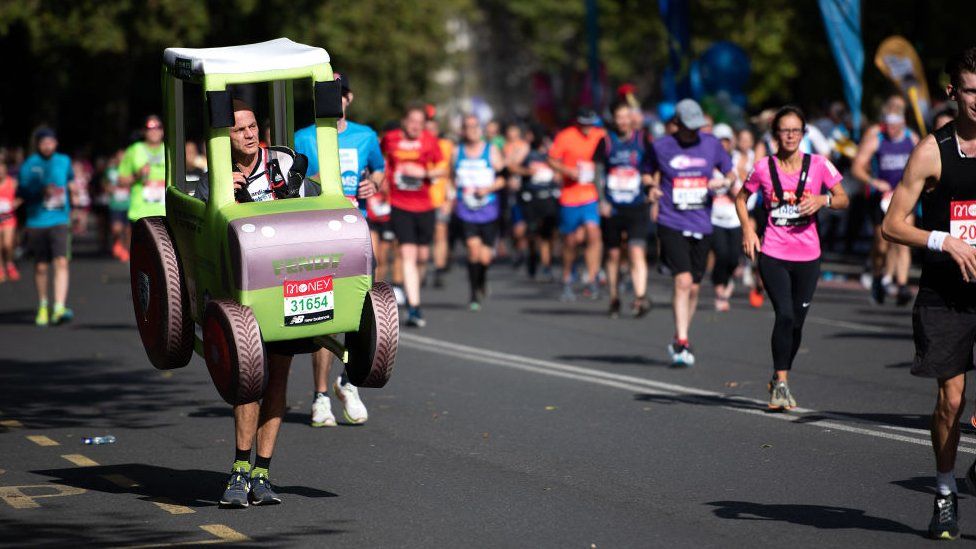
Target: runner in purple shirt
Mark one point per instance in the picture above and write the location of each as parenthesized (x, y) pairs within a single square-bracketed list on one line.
[(690, 168)]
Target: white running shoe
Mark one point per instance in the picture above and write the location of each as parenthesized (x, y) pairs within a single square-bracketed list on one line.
[(322, 412), (401, 298), (352, 406)]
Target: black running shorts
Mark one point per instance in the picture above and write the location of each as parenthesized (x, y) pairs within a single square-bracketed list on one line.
[(634, 221), (944, 338), (684, 253), (486, 232), (48, 243), (413, 227)]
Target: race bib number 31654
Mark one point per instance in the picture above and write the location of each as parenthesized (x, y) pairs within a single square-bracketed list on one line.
[(308, 301), (962, 221)]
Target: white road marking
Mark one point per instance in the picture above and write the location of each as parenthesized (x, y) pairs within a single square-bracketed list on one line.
[(637, 384)]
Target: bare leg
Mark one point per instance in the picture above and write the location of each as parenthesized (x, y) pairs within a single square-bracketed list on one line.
[(638, 270), (273, 404), (60, 280), (321, 361), (685, 302), (411, 273), (41, 270), (613, 272), (594, 250), (945, 421), (569, 256)]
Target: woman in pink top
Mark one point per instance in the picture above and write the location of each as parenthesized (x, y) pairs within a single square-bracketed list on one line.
[(794, 185)]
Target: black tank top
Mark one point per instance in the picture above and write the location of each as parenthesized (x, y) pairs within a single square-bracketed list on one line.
[(941, 282)]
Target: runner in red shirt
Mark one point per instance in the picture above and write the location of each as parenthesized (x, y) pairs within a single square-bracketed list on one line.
[(571, 156), (8, 223), (411, 155)]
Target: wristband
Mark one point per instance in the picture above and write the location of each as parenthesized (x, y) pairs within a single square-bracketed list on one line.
[(936, 239), (828, 200)]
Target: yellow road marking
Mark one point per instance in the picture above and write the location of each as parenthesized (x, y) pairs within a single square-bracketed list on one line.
[(224, 534), (80, 460), (15, 496), (11, 424), (171, 506), (121, 481), (42, 440)]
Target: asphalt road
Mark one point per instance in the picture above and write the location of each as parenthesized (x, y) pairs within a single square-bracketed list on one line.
[(531, 424)]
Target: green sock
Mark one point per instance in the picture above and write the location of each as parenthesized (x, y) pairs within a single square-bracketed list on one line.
[(58, 308), (42, 304), (241, 466), (259, 472)]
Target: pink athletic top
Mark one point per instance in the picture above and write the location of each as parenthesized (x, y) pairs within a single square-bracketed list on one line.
[(785, 238)]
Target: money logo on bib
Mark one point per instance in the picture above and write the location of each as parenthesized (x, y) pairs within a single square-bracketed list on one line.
[(308, 301), (690, 193), (962, 221)]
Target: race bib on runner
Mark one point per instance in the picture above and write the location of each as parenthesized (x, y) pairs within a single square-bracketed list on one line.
[(6, 206), (308, 301), (120, 194), (154, 191), (690, 193), (586, 171), (788, 215), (542, 174), (962, 221), (723, 212), (470, 180), (623, 183), (54, 198), (379, 207)]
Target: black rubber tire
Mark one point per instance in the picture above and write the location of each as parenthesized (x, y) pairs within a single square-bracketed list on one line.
[(372, 349), (159, 298), (234, 352)]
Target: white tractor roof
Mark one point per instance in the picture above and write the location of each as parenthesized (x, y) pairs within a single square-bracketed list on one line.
[(279, 54)]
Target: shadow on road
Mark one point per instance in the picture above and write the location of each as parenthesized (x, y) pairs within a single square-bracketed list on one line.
[(872, 335), (191, 488), (88, 392), (19, 317), (106, 530), (617, 359), (817, 516), (292, 415), (561, 311)]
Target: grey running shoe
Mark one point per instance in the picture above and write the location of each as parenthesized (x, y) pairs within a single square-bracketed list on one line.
[(568, 294), (945, 518), (262, 493), (780, 397), (235, 495)]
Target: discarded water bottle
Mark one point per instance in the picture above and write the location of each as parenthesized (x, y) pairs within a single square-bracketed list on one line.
[(107, 439)]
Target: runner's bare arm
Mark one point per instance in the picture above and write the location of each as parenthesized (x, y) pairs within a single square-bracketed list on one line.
[(498, 164), (750, 240), (923, 164), (560, 168), (861, 168)]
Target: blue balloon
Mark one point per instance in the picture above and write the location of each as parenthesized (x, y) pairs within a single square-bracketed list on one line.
[(724, 67)]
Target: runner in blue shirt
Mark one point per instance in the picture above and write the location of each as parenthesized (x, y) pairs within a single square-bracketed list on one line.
[(624, 208), (44, 180), (361, 165)]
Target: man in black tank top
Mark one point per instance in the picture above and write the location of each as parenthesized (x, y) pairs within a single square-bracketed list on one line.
[(942, 173)]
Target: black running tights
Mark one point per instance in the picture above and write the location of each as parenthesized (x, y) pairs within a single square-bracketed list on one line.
[(790, 285), (727, 245)]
